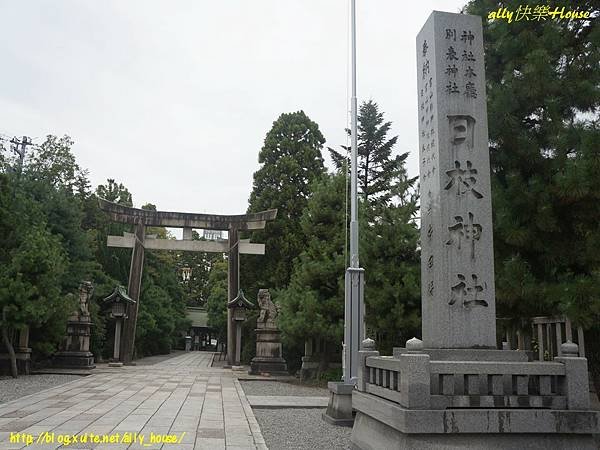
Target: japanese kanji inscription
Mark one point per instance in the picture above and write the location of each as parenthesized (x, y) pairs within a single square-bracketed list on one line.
[(457, 271)]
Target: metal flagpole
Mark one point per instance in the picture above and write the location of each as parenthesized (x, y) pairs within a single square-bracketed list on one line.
[(354, 296), (339, 409), (354, 151)]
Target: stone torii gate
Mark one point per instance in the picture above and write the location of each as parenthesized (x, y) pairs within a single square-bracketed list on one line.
[(138, 241)]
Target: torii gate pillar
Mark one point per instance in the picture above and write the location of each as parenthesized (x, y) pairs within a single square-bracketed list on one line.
[(133, 290), (233, 286)]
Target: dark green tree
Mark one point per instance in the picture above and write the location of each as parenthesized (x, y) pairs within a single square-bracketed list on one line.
[(388, 234), (290, 160), (313, 304), (543, 87), (44, 252), (389, 253)]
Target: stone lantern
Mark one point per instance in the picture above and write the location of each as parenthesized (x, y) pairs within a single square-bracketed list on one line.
[(119, 303), (239, 307)]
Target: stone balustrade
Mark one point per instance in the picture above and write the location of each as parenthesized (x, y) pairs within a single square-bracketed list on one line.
[(414, 381)]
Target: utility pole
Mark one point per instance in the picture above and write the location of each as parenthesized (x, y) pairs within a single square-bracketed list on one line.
[(24, 142)]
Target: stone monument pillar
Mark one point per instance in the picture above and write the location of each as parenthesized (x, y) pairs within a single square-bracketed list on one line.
[(269, 357), (75, 349), (457, 263)]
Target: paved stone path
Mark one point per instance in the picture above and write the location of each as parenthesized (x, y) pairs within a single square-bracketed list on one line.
[(204, 407)]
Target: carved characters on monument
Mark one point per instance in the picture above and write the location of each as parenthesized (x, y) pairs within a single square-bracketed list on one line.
[(462, 130), (452, 88), (464, 230), (427, 115), (467, 56), (452, 70), (451, 54), (463, 180), (470, 90), (467, 292)]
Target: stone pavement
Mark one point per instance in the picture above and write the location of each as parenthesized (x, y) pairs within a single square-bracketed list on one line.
[(204, 407)]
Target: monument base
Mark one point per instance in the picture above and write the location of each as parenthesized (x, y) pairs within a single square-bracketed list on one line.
[(339, 409), (381, 424), (74, 360)]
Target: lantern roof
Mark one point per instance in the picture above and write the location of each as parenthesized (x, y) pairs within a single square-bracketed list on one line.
[(240, 301), (118, 295)]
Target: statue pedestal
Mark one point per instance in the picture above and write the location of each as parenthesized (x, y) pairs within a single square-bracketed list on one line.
[(75, 351), (268, 357)]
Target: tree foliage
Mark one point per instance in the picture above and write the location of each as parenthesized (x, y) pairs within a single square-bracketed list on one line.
[(216, 302), (543, 88), (543, 99), (290, 161), (313, 304), (53, 236), (379, 171)]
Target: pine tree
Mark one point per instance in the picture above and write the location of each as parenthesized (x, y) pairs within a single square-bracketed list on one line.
[(378, 170)]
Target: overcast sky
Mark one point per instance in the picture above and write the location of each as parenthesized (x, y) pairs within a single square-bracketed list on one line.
[(174, 98)]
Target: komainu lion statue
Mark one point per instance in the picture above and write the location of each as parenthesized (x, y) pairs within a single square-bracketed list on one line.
[(268, 310)]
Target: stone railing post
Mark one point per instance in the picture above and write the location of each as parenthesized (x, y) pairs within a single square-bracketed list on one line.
[(415, 390), (368, 349), (576, 384)]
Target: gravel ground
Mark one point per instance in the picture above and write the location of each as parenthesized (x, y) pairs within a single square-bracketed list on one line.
[(285, 429), (13, 388), (259, 387)]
